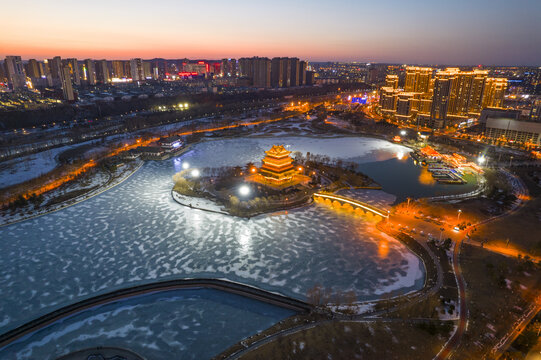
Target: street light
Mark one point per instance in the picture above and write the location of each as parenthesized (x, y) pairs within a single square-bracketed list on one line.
[(481, 159), (185, 165), (458, 216), (195, 173), (244, 190), (403, 132)]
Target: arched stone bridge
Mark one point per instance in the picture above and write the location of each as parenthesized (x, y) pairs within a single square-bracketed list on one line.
[(353, 205)]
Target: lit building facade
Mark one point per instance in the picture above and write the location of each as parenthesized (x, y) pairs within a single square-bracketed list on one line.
[(418, 79), (277, 168), (439, 99)]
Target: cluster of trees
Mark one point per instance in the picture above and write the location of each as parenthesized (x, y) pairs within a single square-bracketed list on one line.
[(21, 202), (185, 186), (436, 327), (264, 203)]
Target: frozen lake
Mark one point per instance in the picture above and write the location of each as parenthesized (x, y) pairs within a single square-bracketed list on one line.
[(196, 325), (135, 233)]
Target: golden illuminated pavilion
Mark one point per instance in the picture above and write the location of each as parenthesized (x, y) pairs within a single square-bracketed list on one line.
[(277, 166)]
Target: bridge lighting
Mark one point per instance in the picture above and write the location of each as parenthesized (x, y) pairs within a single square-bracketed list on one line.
[(185, 165), (195, 173), (244, 190)]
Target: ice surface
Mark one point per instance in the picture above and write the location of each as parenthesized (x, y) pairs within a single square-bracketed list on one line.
[(178, 324), (136, 233)]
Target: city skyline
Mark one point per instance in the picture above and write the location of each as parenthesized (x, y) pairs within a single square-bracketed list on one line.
[(341, 31)]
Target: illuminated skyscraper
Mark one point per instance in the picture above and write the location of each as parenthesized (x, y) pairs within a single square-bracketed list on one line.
[(418, 79), (15, 72), (466, 91), (391, 81), (494, 92), (440, 98)]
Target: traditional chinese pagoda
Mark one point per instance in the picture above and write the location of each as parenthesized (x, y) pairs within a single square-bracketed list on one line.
[(277, 168)]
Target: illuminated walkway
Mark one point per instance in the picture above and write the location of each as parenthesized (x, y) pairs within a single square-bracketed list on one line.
[(344, 202)]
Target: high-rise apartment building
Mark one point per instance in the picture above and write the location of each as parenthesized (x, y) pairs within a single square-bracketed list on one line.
[(3, 76), (446, 96), (32, 69), (286, 72), (294, 72), (277, 76), (73, 66), (119, 69), (136, 69), (90, 71), (147, 70), (494, 92), (102, 71), (66, 83), (303, 65), (229, 68), (440, 98), (55, 67), (257, 69), (15, 72), (391, 81), (418, 79)]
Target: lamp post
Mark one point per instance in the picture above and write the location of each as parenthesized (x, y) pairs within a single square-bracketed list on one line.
[(458, 216)]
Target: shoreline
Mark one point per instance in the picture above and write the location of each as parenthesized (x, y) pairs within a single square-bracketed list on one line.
[(67, 203)]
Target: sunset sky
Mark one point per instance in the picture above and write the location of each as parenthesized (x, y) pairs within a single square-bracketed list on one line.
[(416, 31)]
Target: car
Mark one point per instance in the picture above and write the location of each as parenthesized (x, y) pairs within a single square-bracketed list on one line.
[(456, 228)]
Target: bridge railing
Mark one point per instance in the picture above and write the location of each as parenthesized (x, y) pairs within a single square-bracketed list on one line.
[(356, 203)]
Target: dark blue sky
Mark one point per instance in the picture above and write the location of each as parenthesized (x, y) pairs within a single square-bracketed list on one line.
[(415, 31)]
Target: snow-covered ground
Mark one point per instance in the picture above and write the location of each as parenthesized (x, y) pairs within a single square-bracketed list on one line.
[(197, 203), (28, 167), (94, 184)]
